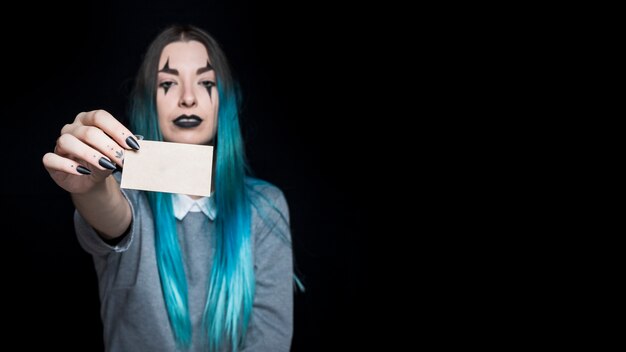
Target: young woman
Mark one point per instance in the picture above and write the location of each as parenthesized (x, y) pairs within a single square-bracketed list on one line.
[(179, 272)]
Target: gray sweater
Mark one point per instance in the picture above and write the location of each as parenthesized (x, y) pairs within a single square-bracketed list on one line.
[(132, 307)]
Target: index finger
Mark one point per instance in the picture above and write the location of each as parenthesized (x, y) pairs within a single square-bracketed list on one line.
[(111, 126)]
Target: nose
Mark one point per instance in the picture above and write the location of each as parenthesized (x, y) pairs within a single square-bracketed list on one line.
[(188, 98)]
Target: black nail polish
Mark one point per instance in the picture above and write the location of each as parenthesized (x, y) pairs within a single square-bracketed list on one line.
[(106, 163), (132, 143), (83, 170)]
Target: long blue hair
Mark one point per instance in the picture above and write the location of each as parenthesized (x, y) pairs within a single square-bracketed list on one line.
[(231, 284)]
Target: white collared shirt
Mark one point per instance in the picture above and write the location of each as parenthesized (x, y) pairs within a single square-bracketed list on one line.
[(184, 204)]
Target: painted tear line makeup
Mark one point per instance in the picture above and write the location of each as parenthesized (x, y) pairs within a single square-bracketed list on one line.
[(166, 69), (209, 87)]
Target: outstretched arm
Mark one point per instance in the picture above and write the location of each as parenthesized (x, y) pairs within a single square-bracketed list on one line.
[(85, 155)]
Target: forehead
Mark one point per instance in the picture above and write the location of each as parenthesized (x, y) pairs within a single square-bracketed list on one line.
[(190, 53)]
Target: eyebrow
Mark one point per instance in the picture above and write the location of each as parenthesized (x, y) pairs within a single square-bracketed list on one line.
[(173, 71), (167, 69), (207, 68)]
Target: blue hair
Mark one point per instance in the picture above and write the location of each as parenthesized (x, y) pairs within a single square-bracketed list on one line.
[(231, 286), (231, 283)]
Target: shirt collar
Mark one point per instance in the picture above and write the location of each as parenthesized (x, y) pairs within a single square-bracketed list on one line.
[(183, 204)]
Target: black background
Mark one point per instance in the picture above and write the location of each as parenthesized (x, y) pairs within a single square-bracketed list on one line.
[(307, 73)]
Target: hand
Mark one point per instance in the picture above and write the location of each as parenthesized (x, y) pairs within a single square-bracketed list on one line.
[(88, 151)]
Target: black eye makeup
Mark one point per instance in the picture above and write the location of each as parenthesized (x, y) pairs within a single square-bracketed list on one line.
[(166, 86), (207, 83), (166, 69), (209, 86)]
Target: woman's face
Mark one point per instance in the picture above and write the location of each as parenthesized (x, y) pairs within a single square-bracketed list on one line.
[(187, 99)]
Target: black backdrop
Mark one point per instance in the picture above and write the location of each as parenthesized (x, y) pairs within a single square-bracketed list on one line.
[(304, 74)]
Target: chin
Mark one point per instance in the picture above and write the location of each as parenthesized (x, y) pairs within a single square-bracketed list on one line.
[(188, 137)]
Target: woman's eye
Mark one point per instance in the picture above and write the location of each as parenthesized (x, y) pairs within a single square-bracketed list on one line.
[(166, 85), (207, 84)]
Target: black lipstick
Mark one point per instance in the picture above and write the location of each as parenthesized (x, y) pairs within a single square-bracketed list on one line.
[(187, 121)]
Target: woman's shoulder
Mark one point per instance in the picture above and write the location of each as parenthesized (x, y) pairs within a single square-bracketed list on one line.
[(264, 193), (269, 209)]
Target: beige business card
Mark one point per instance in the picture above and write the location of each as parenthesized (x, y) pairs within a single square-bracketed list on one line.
[(169, 167)]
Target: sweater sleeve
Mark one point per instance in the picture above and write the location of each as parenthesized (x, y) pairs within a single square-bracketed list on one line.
[(92, 243), (271, 324)]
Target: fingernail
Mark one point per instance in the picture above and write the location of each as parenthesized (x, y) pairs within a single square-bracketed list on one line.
[(106, 163), (83, 170), (132, 143)]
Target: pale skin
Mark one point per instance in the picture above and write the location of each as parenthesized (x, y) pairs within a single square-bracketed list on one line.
[(185, 88)]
